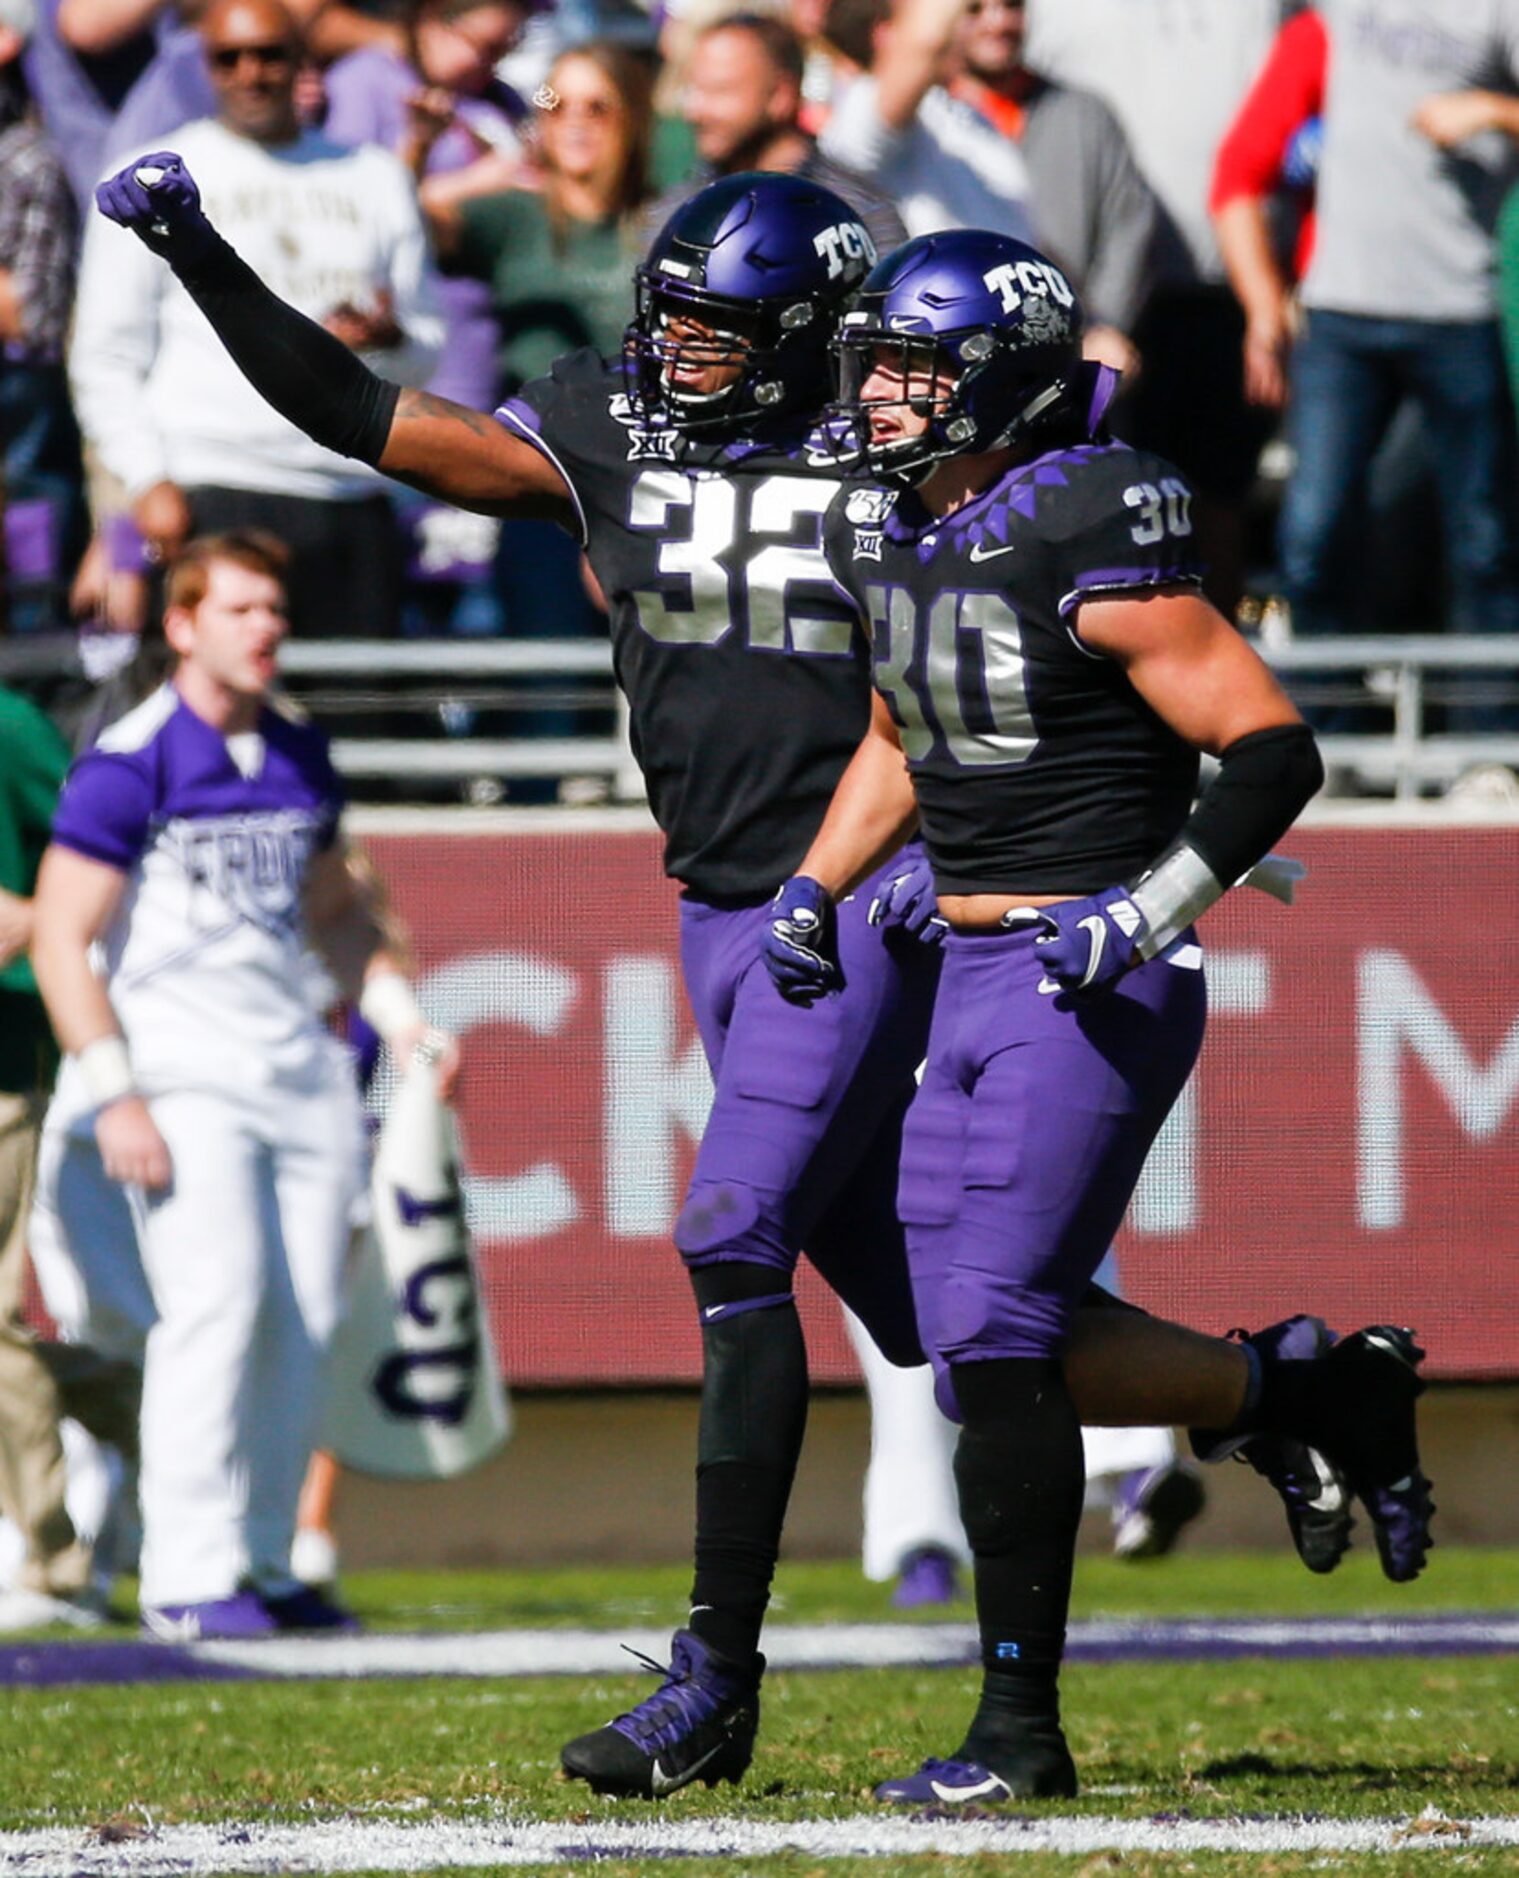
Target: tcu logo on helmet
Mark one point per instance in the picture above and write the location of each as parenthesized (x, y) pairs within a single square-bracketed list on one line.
[(845, 241), (1016, 278)]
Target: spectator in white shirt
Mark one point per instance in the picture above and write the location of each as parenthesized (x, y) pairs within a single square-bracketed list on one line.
[(333, 230)]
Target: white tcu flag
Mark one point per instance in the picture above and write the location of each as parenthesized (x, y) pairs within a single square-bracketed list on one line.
[(415, 1390)]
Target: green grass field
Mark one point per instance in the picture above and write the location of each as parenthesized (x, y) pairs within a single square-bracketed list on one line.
[(1347, 1739)]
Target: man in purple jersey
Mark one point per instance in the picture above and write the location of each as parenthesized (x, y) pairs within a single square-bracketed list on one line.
[(1046, 672), (692, 473)]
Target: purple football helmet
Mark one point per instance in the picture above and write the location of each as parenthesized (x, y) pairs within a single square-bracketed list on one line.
[(996, 328), (764, 263)]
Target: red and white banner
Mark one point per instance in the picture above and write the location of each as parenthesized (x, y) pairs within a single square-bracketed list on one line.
[(1349, 1144)]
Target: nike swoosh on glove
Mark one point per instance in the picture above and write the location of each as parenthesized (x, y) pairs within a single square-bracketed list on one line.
[(801, 950), (156, 197), (908, 900), (1088, 945)]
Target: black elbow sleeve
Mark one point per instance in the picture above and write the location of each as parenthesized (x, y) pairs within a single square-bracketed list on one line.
[(306, 374), (1264, 783)]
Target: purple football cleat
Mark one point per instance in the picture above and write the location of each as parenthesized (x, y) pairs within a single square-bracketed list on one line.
[(1311, 1488), (1034, 1766), (929, 1576), (1152, 1505), (946, 1783), (1383, 1470), (234, 1619), (699, 1724)]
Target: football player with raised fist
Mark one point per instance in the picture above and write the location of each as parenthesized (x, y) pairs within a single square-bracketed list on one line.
[(693, 471)]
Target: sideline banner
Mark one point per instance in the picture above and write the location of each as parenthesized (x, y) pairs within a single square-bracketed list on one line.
[(1349, 1144)]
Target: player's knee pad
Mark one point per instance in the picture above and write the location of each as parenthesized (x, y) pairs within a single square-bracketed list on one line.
[(722, 1220), (754, 1367), (1018, 1459)]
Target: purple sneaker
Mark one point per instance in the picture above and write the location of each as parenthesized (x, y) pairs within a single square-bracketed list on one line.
[(929, 1576), (1035, 1767), (699, 1724), (1311, 1488), (1151, 1506), (309, 1609), (237, 1618)]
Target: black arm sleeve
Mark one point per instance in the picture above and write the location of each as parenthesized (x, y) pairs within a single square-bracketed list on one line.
[(1264, 783), (309, 377)]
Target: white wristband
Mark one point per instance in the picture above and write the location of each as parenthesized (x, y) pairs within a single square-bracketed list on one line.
[(107, 1070), (388, 1003)]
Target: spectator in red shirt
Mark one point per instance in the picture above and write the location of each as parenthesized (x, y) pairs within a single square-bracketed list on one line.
[(1263, 149)]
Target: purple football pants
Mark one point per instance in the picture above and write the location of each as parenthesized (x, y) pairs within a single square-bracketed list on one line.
[(1027, 1138), (802, 1146)]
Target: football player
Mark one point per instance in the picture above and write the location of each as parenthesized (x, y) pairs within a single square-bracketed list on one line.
[(1046, 673), (691, 472)]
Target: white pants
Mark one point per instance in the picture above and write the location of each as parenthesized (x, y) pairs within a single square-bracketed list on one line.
[(228, 1291)]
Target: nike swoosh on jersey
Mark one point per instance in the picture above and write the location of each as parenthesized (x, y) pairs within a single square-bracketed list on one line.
[(991, 1784), (980, 552)]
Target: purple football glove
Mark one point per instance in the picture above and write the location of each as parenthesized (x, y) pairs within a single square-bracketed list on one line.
[(801, 950), (1088, 945), (907, 900), (155, 196)]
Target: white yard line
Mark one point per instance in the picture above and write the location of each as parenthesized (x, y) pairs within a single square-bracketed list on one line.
[(360, 1845), (806, 1646)]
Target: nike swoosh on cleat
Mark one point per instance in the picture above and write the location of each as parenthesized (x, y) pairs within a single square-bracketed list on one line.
[(991, 1784), (663, 1783)]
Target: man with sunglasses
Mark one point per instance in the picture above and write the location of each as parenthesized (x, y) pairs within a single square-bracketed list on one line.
[(337, 232), (694, 472)]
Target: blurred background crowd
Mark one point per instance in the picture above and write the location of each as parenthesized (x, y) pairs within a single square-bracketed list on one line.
[(1293, 228)]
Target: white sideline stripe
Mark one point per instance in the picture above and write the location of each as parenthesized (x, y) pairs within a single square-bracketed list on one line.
[(807, 1646), (459, 1845), (583, 1652)]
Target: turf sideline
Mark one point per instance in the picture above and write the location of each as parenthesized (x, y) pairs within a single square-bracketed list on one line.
[(365, 1845)]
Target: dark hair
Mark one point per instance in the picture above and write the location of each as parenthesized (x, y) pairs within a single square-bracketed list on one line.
[(780, 43), (850, 25)]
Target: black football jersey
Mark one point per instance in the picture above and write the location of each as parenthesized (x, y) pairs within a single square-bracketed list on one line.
[(744, 665), (1038, 766)]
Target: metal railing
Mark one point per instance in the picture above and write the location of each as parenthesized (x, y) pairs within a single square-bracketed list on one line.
[(1399, 681)]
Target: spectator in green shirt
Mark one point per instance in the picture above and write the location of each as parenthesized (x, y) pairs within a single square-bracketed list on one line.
[(559, 260)]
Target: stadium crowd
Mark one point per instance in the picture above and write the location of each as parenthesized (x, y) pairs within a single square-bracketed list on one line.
[(1273, 245)]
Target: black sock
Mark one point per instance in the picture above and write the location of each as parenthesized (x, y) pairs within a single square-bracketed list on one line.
[(753, 1417), (1019, 1470)]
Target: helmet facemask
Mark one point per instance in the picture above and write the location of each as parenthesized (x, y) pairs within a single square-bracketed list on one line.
[(755, 354), (978, 389)]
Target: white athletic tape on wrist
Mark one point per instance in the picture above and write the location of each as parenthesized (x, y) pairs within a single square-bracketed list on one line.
[(107, 1070), (1177, 890), (388, 1003)]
